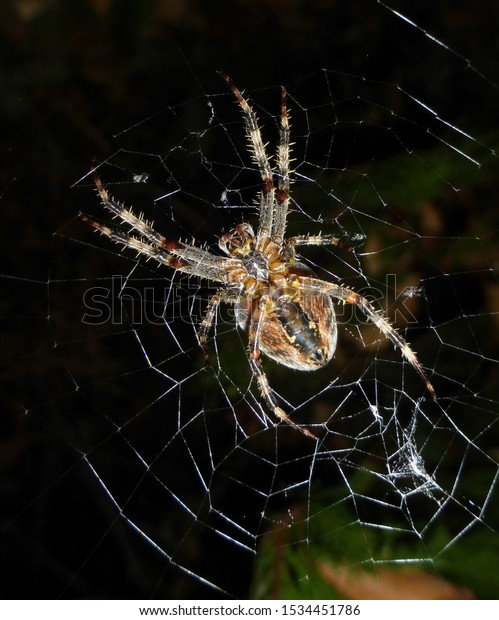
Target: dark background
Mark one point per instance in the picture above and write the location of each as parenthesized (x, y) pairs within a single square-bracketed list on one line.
[(73, 76)]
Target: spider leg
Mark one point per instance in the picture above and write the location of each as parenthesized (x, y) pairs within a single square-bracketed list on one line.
[(318, 240), (206, 323), (351, 297), (226, 295), (127, 216), (283, 162), (181, 256), (256, 367), (185, 259), (261, 159)]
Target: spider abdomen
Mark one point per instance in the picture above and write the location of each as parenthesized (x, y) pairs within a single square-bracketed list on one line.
[(310, 332), (300, 334)]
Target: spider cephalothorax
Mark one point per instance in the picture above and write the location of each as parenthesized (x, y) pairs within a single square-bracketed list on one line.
[(297, 328), (285, 308)]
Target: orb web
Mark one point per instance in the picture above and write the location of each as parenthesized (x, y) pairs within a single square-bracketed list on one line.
[(185, 471)]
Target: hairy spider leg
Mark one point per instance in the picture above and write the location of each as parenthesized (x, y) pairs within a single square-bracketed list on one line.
[(207, 322), (267, 195), (226, 295), (283, 172), (351, 297), (181, 256), (319, 239)]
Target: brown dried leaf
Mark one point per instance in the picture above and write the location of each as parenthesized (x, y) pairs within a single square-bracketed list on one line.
[(391, 584)]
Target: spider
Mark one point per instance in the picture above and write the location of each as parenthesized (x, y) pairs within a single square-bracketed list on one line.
[(285, 308)]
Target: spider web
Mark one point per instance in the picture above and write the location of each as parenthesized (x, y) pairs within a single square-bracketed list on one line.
[(187, 484)]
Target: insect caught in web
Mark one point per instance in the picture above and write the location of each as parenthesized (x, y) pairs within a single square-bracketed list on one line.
[(285, 308)]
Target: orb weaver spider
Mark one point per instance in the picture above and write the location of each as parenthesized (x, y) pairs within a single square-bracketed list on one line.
[(285, 308)]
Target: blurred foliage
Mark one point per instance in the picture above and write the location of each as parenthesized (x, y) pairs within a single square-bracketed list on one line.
[(287, 569)]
